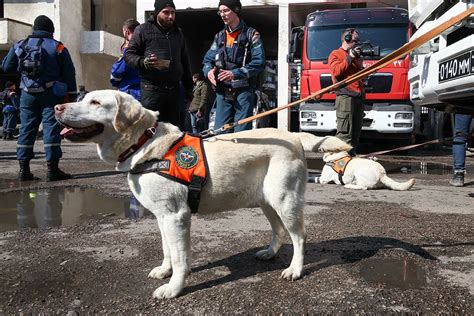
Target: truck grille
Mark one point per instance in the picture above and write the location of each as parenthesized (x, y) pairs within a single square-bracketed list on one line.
[(376, 83)]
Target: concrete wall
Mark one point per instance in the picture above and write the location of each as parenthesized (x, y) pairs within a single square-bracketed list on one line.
[(71, 18), (115, 13), (27, 11)]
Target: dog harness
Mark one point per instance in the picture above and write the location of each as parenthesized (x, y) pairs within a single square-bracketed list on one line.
[(339, 166), (185, 162)]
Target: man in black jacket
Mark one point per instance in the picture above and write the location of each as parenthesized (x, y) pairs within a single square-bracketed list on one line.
[(158, 50)]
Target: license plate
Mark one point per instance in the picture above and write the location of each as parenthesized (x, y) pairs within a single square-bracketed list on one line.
[(457, 67)]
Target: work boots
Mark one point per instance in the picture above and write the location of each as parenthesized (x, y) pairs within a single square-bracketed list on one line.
[(458, 179), (9, 136), (56, 174), (25, 173)]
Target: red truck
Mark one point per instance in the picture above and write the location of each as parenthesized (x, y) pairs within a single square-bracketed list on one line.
[(389, 112)]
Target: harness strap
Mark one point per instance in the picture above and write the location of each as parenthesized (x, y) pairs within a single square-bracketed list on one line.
[(194, 192)]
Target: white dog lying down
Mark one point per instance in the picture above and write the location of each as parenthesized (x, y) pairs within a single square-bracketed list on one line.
[(359, 174), (262, 168)]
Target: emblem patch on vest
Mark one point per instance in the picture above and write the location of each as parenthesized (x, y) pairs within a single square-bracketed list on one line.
[(341, 163), (186, 157)]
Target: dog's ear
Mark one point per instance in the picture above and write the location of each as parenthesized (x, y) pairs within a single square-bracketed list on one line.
[(127, 114)]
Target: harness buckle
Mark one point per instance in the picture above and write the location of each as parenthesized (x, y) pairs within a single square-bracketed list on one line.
[(150, 132), (207, 133)]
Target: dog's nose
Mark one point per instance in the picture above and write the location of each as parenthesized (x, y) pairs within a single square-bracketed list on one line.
[(59, 108)]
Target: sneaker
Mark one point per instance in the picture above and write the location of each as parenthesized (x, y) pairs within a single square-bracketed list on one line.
[(457, 180)]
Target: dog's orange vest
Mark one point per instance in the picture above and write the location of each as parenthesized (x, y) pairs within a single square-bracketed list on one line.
[(185, 162), (186, 159), (339, 166)]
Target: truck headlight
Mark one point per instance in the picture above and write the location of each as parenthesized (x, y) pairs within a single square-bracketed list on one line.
[(403, 116), (308, 114)]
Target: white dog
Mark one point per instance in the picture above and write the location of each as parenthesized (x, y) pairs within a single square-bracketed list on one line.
[(262, 168), (358, 173)]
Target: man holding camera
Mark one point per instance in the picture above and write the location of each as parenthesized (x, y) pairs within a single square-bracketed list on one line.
[(343, 63)]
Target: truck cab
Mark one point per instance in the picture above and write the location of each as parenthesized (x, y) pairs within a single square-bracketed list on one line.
[(388, 110), (441, 73)]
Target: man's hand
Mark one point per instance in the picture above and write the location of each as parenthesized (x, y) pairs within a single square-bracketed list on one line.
[(198, 114), (211, 76), (225, 75), (355, 52), (153, 62)]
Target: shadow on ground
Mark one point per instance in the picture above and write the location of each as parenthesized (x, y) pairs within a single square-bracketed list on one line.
[(318, 256)]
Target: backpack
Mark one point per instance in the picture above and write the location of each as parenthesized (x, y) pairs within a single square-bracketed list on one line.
[(30, 59)]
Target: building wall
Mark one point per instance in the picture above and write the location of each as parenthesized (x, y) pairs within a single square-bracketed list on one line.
[(71, 18)]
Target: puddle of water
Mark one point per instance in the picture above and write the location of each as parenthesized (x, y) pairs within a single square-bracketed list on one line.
[(417, 167), (61, 206), (393, 273), (11, 183)]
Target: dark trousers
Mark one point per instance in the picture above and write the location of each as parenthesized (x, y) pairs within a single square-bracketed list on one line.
[(350, 114), (34, 109), (164, 99)]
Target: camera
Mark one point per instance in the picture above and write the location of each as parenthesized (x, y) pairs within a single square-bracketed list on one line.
[(367, 49)]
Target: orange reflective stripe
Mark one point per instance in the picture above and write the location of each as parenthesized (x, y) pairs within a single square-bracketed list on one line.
[(231, 38), (59, 48), (186, 159)]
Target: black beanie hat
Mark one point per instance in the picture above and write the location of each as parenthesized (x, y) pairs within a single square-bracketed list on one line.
[(161, 4), (234, 5), (43, 23)]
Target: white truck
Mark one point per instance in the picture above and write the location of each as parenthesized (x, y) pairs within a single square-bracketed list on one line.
[(441, 73)]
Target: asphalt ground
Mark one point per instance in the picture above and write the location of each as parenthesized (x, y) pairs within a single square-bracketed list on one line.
[(367, 252)]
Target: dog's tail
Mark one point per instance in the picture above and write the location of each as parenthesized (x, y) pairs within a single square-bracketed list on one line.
[(398, 186), (314, 143)]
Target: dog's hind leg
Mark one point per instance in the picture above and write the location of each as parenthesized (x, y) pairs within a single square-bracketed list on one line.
[(163, 271), (278, 231), (176, 226)]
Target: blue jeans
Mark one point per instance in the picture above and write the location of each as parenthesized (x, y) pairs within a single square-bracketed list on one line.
[(194, 118), (233, 111), (462, 123), (34, 108), (9, 120)]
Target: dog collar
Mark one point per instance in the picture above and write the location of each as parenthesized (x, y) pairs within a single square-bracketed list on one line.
[(149, 132)]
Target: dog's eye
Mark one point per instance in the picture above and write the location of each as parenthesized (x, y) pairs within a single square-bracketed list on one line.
[(95, 102)]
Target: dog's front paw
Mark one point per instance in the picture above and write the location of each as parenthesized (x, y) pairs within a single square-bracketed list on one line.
[(166, 291), (291, 274), (160, 272), (265, 254)]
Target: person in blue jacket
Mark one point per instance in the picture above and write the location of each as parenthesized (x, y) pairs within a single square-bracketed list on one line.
[(10, 110), (233, 64), (123, 77), (48, 77)]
